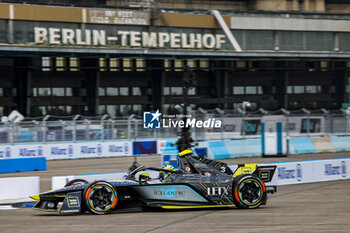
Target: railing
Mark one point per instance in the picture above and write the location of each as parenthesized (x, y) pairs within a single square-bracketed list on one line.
[(235, 125)]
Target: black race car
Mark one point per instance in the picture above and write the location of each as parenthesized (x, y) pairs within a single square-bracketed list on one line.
[(198, 183)]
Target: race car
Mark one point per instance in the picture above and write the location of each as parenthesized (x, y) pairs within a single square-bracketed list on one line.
[(198, 183)]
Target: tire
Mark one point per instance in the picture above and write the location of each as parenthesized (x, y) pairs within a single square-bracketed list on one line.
[(76, 182), (93, 194), (249, 192)]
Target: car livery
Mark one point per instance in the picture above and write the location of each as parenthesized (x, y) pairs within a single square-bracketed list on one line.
[(198, 183)]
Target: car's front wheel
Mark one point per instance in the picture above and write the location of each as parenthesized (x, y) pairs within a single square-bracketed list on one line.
[(249, 191), (100, 197)]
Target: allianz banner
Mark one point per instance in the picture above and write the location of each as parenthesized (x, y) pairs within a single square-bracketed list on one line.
[(68, 150)]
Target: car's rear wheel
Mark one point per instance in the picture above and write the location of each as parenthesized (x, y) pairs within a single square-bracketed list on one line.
[(100, 197), (76, 182), (248, 191)]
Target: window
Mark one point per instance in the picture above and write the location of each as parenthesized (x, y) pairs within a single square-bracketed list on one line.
[(82, 91), (58, 91), (69, 109), (238, 90), (241, 64), (166, 91), (191, 63), (311, 89), (140, 64), (178, 65), (45, 63), (124, 109), (136, 91), (124, 91), (137, 109), (168, 64), (250, 90), (101, 91), (1, 91), (176, 91), (54, 91), (14, 91), (192, 91), (204, 64), (332, 89), (73, 64), (60, 64), (298, 89), (44, 91), (112, 91), (114, 64), (102, 63), (112, 110), (69, 91), (127, 64)]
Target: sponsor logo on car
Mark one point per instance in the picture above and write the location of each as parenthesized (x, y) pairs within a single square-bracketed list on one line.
[(169, 192), (217, 191), (73, 202)]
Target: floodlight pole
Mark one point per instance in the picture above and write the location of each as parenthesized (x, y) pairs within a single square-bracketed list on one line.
[(188, 83)]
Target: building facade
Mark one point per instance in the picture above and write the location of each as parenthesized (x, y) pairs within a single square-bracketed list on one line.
[(125, 57)]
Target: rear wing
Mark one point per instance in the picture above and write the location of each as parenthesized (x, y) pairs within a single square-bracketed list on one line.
[(265, 173)]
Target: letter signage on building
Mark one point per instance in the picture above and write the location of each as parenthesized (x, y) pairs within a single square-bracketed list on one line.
[(127, 38), (110, 16)]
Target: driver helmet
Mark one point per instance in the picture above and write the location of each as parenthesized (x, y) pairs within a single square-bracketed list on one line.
[(164, 175)]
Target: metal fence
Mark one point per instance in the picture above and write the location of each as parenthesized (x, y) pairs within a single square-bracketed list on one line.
[(235, 125)]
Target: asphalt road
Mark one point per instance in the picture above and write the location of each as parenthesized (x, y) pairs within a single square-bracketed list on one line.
[(316, 207)]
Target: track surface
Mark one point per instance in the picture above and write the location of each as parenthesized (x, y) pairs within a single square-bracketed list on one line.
[(317, 207)]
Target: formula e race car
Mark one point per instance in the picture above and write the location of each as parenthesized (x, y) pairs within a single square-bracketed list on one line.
[(198, 183)]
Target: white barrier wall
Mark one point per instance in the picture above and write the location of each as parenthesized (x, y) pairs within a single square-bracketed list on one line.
[(19, 187), (311, 171), (287, 173), (68, 150)]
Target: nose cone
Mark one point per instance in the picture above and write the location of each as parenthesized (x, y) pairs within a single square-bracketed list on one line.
[(35, 197)]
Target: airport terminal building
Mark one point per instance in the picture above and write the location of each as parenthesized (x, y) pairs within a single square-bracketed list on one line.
[(125, 57)]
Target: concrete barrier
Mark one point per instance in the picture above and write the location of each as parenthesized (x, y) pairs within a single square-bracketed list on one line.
[(340, 143), (218, 150), (19, 187), (22, 164), (301, 146)]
